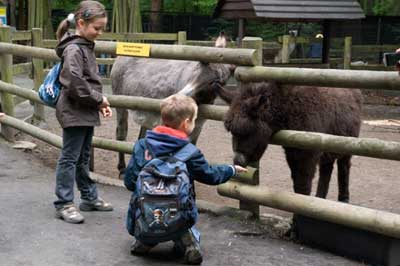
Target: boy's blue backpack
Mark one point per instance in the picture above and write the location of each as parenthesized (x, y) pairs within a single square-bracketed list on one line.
[(164, 207), (49, 91)]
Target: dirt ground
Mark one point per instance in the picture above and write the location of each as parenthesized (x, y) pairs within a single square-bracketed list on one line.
[(373, 181)]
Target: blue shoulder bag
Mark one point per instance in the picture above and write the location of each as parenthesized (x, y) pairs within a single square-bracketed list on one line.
[(49, 91)]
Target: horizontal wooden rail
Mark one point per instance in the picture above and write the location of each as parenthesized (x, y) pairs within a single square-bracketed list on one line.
[(129, 37), (54, 140), (373, 48), (185, 52), (369, 147), (374, 148), (28, 51), (22, 68), (101, 143), (21, 35), (380, 222), (105, 61), (49, 43), (245, 57), (147, 36), (321, 77)]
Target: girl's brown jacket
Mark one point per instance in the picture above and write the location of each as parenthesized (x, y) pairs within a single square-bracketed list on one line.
[(81, 91)]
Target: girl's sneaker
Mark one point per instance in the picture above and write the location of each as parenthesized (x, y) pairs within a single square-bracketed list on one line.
[(69, 214), (95, 205)]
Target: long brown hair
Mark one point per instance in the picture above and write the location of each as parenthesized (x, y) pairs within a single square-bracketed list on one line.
[(87, 10)]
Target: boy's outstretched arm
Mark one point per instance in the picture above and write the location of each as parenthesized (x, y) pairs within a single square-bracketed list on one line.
[(203, 172)]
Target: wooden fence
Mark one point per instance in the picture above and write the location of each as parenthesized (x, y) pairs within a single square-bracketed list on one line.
[(383, 222), (343, 56)]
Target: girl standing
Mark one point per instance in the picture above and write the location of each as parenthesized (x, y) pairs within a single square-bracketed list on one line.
[(78, 109)]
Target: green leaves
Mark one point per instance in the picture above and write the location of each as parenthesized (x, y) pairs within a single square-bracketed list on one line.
[(381, 7)]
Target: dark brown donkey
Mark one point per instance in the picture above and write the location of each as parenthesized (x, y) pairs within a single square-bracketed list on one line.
[(261, 109)]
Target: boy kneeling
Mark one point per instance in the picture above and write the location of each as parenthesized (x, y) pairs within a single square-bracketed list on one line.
[(161, 174)]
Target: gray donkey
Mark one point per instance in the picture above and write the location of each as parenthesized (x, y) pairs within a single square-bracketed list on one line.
[(159, 78)]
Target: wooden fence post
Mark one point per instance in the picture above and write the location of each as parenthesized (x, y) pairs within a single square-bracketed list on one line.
[(285, 49), (348, 41), (7, 100), (182, 37), (253, 43), (38, 75)]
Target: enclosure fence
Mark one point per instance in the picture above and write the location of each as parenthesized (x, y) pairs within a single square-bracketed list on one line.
[(249, 58)]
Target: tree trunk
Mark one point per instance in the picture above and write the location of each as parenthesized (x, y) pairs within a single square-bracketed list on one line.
[(155, 17), (22, 15), (12, 21), (48, 30)]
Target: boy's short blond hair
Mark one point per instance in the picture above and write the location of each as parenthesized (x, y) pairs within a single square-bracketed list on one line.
[(176, 108)]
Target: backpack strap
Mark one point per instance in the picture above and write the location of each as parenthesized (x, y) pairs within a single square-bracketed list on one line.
[(80, 48), (185, 152)]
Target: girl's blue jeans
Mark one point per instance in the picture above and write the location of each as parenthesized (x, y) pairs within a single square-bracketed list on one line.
[(73, 164)]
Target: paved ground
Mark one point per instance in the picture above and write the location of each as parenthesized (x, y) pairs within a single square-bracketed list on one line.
[(30, 235)]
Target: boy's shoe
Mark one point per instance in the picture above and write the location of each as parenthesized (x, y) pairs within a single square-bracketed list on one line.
[(179, 249), (138, 248), (95, 205), (193, 253), (69, 214)]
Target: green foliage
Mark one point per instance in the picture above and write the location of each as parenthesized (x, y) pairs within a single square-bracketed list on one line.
[(197, 7), (267, 31), (70, 5), (381, 7)]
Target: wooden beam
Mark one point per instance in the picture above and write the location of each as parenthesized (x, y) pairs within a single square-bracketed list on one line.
[(380, 222), (321, 77)]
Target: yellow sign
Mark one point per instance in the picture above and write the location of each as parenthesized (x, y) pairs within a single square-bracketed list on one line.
[(3, 15), (133, 49)]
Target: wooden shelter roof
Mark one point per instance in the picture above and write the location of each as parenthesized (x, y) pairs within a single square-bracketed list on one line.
[(289, 10)]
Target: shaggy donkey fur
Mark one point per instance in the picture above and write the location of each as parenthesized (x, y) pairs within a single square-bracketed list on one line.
[(261, 109)]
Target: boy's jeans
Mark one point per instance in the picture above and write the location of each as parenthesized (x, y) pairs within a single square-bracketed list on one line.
[(73, 164)]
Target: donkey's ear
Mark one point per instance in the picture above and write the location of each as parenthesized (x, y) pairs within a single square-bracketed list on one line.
[(225, 94), (239, 125), (255, 104)]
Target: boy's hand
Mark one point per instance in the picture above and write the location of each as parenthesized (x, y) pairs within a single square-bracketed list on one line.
[(106, 112), (1, 114), (240, 169), (398, 51)]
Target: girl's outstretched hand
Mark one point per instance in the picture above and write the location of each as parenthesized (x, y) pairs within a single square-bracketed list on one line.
[(106, 111)]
